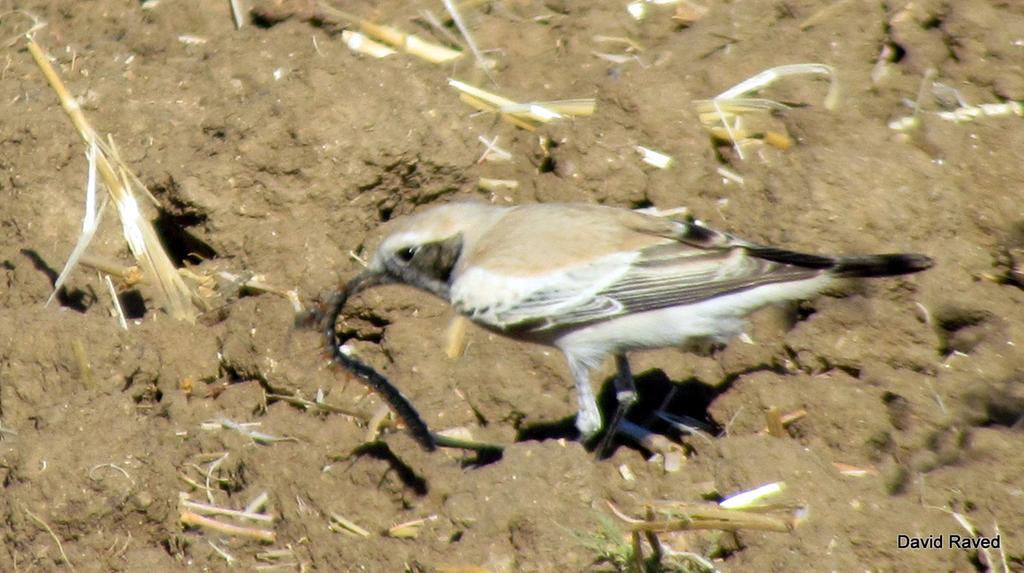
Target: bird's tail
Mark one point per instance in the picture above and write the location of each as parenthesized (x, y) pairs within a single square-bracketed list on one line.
[(881, 265), (849, 267)]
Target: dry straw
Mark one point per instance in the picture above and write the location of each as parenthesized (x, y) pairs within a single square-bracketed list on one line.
[(380, 34), (734, 116), (481, 62), (175, 296), (528, 115)]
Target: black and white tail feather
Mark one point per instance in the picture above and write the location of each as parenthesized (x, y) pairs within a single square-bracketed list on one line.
[(860, 266)]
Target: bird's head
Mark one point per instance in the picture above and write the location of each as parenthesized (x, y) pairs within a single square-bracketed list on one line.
[(425, 249)]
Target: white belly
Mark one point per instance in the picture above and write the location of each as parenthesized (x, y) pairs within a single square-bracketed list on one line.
[(719, 318)]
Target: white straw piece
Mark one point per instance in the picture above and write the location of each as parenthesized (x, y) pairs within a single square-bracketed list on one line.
[(533, 111), (360, 44), (117, 303), (238, 14), (772, 75), (482, 62), (655, 158), (638, 9), (752, 497), (90, 222)]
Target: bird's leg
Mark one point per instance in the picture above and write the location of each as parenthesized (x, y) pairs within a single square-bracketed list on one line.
[(625, 395), (588, 417)]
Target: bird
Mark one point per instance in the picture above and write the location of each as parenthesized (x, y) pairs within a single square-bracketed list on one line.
[(595, 282)]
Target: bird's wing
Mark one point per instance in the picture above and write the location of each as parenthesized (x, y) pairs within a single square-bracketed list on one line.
[(536, 301), (674, 275), (689, 263)]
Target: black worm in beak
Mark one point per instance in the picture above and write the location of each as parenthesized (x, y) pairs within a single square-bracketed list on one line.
[(398, 403)]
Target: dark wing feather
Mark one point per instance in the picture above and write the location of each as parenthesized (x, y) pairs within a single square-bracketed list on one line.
[(668, 275), (666, 283)]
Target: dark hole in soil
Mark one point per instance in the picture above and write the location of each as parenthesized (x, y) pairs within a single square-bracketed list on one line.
[(132, 303), (182, 246)]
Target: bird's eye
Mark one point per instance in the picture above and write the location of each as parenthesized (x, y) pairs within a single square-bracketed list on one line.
[(405, 255)]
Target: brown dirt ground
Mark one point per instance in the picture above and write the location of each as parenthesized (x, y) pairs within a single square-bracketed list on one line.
[(277, 151)]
